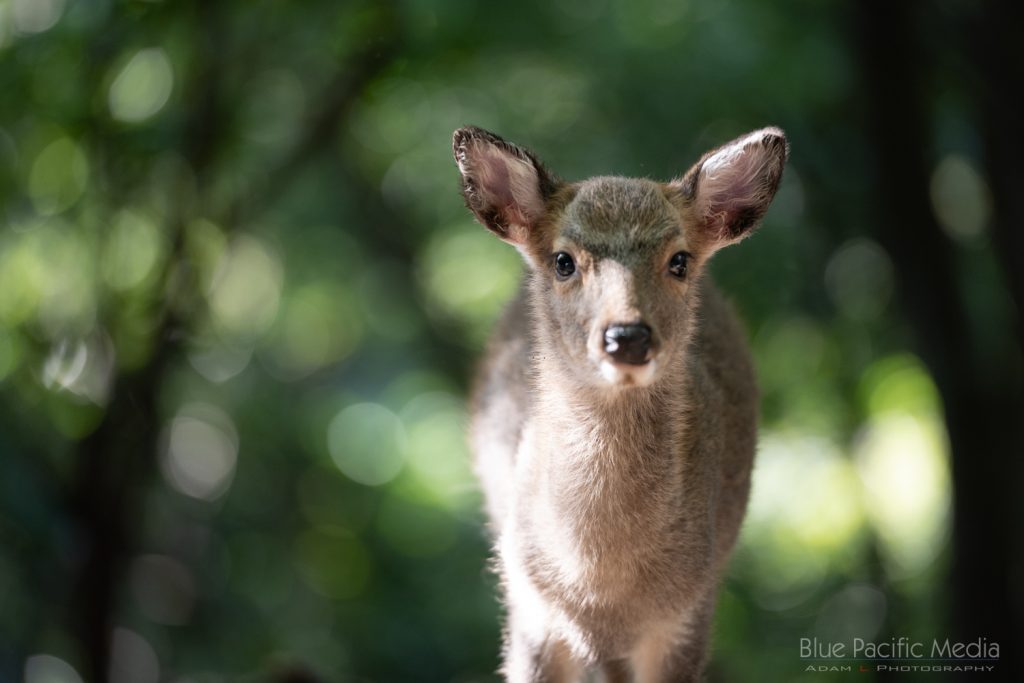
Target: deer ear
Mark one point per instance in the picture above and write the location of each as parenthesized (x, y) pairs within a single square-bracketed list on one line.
[(504, 185), (730, 188)]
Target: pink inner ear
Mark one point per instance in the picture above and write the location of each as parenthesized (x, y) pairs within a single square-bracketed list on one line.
[(732, 189), (494, 181), (509, 184)]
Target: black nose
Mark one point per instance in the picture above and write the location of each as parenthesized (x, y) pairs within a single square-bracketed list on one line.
[(628, 343)]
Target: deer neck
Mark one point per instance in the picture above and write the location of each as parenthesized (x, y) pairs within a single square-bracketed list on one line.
[(604, 465)]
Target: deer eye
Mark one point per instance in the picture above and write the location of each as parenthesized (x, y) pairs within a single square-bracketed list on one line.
[(564, 265), (677, 264)]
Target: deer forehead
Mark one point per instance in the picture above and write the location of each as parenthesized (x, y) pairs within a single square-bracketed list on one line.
[(620, 218)]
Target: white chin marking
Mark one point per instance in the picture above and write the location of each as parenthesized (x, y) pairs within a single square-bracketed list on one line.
[(621, 374)]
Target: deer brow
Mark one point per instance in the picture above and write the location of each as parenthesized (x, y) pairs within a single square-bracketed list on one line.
[(605, 245)]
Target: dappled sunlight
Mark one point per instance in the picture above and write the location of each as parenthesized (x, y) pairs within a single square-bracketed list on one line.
[(437, 451), (49, 669), (805, 515), (201, 451), (59, 175), (206, 246), (32, 16), (65, 364), (84, 367), (960, 198), (47, 276), (903, 462), (132, 658), (132, 250), (319, 326), (246, 289), (141, 87), (813, 504), (899, 384), (827, 511), (367, 443), (468, 274), (859, 279), (21, 280), (216, 361)]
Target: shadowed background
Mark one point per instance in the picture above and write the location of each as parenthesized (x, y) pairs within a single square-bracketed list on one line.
[(240, 302)]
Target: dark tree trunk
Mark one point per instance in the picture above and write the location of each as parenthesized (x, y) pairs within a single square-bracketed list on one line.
[(115, 463), (112, 471), (983, 409), (999, 75)]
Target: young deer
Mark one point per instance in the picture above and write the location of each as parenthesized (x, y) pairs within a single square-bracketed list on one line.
[(614, 420)]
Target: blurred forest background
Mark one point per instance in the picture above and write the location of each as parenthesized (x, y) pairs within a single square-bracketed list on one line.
[(240, 302)]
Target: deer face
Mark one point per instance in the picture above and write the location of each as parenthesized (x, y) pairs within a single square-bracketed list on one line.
[(615, 261)]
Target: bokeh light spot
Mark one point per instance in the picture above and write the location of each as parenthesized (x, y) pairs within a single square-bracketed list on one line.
[(793, 540), (49, 669), (22, 279), (859, 279), (366, 442), (319, 325), (36, 16), (828, 513), (469, 274), (132, 248), (216, 361), (246, 289), (200, 452), (960, 198), (84, 367), (65, 364), (58, 177), (58, 260), (437, 451), (142, 87), (903, 462), (899, 384), (132, 659), (205, 244)]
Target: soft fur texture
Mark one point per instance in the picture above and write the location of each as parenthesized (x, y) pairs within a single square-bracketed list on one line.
[(615, 492)]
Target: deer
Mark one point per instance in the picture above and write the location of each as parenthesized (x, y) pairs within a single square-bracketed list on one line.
[(613, 418)]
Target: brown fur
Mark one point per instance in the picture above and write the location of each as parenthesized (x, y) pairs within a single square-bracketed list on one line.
[(615, 493)]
